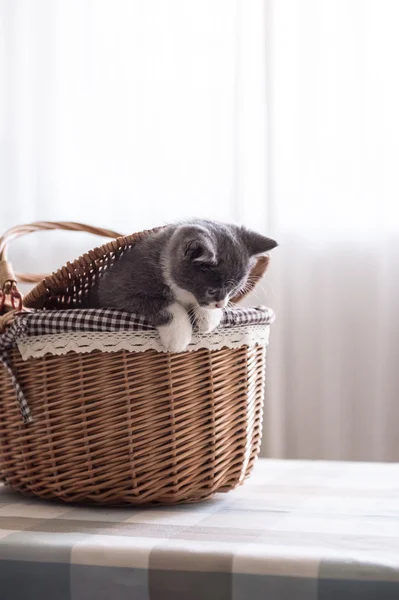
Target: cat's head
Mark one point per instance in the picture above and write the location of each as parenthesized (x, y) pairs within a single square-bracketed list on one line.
[(210, 262)]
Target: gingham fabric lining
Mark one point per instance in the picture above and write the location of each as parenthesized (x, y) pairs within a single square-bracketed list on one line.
[(106, 319), (27, 325)]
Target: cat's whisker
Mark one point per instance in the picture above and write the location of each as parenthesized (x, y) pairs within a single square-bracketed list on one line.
[(245, 288), (271, 288), (256, 295), (250, 290), (254, 280), (267, 291), (260, 284), (192, 313)]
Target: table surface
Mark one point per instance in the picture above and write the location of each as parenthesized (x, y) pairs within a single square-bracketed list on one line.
[(296, 530)]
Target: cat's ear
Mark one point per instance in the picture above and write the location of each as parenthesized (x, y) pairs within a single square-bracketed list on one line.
[(200, 250), (257, 243)]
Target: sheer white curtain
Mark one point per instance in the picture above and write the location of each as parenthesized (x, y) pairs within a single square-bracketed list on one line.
[(280, 114), (334, 188), (130, 113)]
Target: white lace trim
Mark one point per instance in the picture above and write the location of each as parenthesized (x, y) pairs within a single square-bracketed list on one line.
[(84, 342)]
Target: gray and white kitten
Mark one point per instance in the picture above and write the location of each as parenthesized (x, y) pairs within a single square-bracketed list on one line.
[(196, 265)]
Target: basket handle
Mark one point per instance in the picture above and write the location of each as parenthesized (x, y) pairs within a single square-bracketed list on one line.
[(9, 279)]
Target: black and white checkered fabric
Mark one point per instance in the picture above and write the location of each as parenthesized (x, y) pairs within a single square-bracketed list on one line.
[(106, 319), (103, 319)]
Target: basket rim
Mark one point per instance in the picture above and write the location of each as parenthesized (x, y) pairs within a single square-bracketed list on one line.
[(97, 320), (20, 330)]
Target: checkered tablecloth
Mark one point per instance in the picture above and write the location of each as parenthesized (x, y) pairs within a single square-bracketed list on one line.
[(294, 531)]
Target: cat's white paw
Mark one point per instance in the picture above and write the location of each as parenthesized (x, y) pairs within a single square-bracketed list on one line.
[(208, 318), (176, 336)]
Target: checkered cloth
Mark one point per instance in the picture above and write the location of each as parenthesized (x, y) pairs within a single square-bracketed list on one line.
[(65, 321), (106, 319), (295, 531)]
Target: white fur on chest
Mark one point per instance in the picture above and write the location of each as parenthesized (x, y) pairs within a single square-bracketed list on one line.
[(187, 299), (183, 297), (176, 335)]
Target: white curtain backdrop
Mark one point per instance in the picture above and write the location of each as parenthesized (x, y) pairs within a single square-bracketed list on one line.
[(132, 113), (334, 192), (279, 114)]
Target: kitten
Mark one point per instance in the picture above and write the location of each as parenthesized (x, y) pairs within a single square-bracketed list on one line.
[(195, 266)]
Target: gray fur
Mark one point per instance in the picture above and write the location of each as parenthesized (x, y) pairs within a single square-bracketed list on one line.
[(205, 258)]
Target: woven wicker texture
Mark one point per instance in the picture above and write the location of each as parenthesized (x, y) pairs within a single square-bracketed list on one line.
[(125, 427), (133, 427), (10, 297)]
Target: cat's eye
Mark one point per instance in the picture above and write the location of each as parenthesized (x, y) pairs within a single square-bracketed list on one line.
[(212, 291), (207, 266)]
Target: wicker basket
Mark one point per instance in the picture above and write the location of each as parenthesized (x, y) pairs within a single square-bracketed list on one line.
[(122, 427)]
